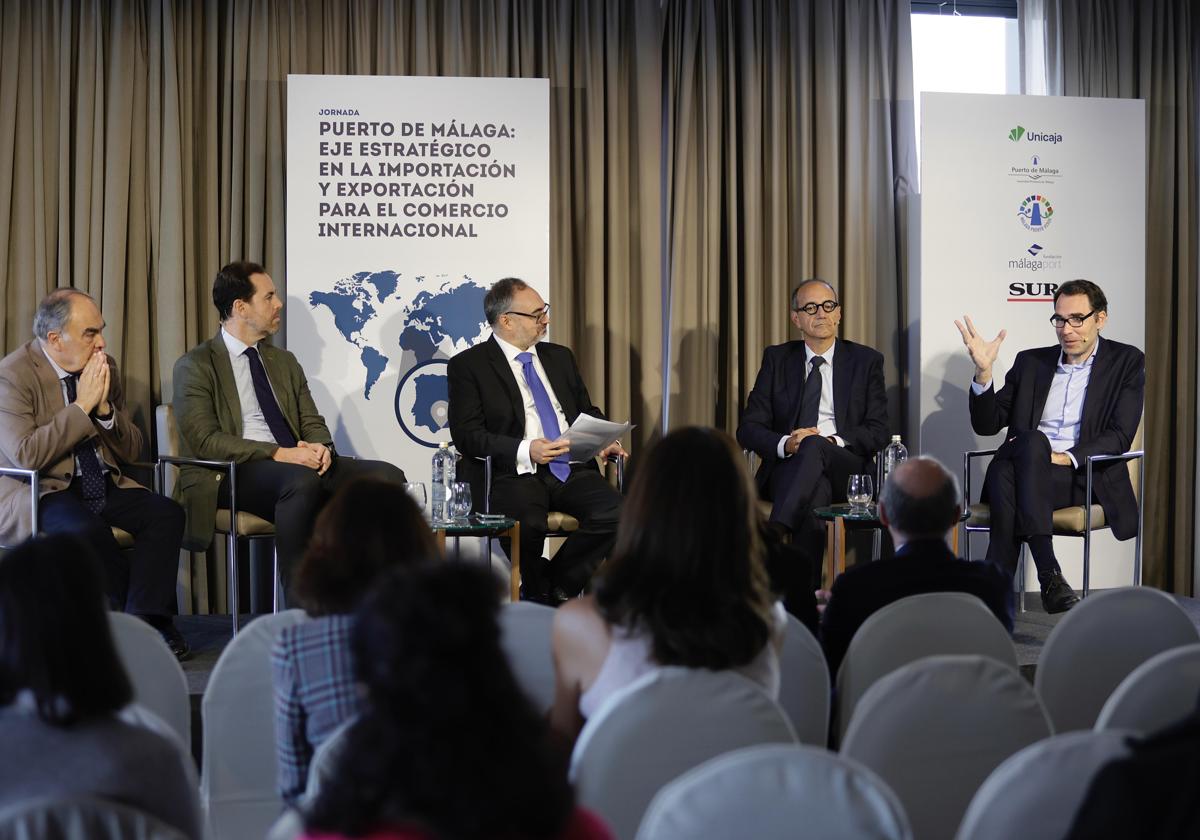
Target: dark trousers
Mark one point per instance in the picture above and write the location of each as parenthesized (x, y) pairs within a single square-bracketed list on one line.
[(141, 581), (587, 496), (814, 477), (1023, 489), (291, 496)]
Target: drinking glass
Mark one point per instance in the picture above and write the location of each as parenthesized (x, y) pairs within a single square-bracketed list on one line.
[(460, 500), (858, 492), (416, 492)]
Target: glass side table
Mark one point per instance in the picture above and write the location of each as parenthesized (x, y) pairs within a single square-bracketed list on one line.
[(486, 528)]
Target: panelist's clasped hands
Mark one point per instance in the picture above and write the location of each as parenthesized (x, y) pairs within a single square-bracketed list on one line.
[(91, 390), (983, 353), (798, 435), (315, 456)]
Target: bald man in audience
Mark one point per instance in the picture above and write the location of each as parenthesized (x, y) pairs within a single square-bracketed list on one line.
[(919, 505)]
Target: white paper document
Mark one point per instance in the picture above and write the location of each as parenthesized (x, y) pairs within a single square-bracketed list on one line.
[(588, 435)]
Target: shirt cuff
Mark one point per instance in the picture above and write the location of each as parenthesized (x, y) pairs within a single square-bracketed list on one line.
[(780, 449), (525, 465), (838, 440), (978, 389), (1074, 463)]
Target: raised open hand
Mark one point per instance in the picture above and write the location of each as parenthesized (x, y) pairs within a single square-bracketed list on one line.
[(983, 353)]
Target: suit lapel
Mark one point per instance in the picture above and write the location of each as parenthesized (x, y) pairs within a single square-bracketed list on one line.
[(1096, 389), (1043, 377), (504, 373), (795, 372), (559, 385), (47, 379), (226, 382), (841, 384), (273, 365)]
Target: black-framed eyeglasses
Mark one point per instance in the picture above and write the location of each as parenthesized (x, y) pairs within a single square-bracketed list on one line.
[(811, 308), (544, 312), (1074, 320)]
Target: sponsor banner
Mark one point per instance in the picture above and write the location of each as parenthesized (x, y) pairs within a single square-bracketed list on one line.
[(1020, 194), (407, 197)]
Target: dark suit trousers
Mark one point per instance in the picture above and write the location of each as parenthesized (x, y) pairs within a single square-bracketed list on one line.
[(814, 477), (587, 496), (142, 581), (291, 496), (1023, 488)]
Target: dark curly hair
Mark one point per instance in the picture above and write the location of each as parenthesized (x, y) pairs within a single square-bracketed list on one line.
[(688, 565), (448, 742), (368, 526), (54, 635)]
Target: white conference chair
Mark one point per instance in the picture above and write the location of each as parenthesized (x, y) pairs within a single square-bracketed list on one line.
[(776, 792), (936, 728), (525, 637), (929, 624), (80, 817), (158, 680), (1034, 794), (1098, 643), (1158, 693), (238, 775), (660, 725), (804, 684)]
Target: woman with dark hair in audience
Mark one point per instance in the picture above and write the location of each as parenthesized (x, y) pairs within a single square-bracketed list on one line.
[(369, 526), (61, 687), (685, 583), (447, 746)]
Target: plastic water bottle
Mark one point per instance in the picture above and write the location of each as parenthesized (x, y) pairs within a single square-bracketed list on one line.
[(443, 476), (894, 455)]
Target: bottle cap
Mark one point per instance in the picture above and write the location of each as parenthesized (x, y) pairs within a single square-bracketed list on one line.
[(895, 438)]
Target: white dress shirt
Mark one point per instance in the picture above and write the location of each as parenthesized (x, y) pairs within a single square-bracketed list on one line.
[(826, 423), (108, 423), (533, 423), (254, 424)]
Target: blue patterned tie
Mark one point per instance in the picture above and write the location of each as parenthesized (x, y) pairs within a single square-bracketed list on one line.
[(91, 475), (266, 401), (541, 401)]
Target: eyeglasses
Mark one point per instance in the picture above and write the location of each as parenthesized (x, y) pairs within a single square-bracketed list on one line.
[(544, 312), (811, 308), (1074, 320)]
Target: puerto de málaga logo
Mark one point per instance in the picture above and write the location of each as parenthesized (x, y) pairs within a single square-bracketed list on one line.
[(1035, 212)]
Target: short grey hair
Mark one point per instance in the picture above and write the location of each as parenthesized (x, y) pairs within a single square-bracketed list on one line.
[(928, 515), (54, 311), (498, 300), (796, 291)]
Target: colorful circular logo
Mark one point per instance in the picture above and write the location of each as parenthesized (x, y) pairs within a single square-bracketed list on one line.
[(1035, 212)]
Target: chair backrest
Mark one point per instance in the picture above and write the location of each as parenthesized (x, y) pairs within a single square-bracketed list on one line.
[(929, 624), (167, 433), (1161, 691), (936, 728), (78, 817), (1035, 793), (525, 637), (325, 760), (662, 724), (1099, 643), (776, 792), (158, 680), (804, 684), (1136, 464), (237, 776)]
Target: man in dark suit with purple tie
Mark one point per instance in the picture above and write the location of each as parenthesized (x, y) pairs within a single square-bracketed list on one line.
[(1082, 396)]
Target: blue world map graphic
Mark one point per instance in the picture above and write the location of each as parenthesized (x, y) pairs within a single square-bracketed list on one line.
[(442, 317)]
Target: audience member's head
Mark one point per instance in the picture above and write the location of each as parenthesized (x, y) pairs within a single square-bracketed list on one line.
[(448, 742), (919, 501), (687, 568), (55, 641), (368, 526)]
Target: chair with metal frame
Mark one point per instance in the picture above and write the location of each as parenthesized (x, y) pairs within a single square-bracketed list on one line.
[(124, 538), (234, 524), (1076, 521)]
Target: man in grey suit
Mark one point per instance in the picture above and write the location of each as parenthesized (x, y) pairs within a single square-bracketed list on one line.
[(62, 412), (239, 398)]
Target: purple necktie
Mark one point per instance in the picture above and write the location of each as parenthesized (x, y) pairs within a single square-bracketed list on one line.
[(541, 401), (266, 401), (91, 475)]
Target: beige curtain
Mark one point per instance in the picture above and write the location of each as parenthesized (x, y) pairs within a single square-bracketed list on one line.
[(1148, 49), (147, 148), (789, 154)]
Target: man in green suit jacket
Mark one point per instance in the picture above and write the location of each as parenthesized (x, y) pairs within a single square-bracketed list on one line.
[(239, 398)]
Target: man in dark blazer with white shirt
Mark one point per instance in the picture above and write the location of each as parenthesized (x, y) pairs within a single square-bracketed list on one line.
[(813, 431), (513, 397), (1060, 404)]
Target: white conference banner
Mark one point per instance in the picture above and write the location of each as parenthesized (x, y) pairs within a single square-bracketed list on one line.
[(407, 197), (1020, 194)]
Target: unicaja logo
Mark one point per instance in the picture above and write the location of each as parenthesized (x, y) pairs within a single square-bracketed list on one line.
[(1015, 134)]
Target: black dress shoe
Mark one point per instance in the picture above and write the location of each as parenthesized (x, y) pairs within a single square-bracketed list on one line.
[(175, 641), (1057, 594)]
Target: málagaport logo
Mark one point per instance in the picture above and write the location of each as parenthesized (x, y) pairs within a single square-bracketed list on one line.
[(1035, 212), (1022, 291), (1020, 131)]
